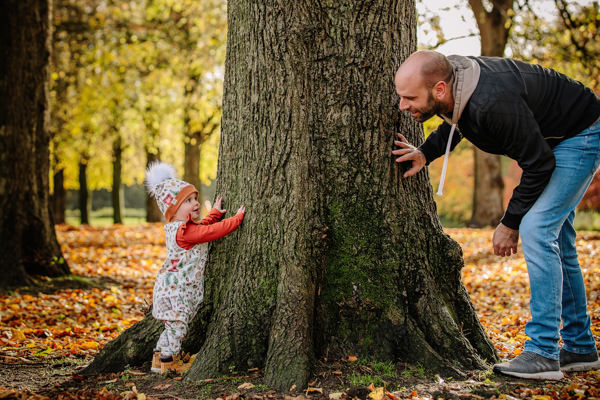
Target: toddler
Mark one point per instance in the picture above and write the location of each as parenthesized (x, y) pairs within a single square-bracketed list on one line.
[(179, 285)]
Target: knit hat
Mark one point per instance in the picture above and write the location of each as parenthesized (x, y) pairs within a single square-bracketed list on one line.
[(168, 191)]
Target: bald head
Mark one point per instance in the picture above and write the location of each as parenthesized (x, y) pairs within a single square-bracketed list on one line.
[(428, 66), (423, 84)]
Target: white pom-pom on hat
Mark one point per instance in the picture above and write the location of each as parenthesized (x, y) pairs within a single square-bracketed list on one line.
[(168, 191), (157, 173)]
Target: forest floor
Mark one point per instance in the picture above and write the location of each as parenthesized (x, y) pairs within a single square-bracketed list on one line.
[(48, 334)]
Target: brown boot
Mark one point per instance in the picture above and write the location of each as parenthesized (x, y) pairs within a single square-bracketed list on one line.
[(175, 364), (155, 363)]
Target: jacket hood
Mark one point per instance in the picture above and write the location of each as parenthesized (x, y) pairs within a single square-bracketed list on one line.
[(466, 77)]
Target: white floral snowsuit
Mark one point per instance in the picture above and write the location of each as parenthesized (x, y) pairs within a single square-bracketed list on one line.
[(178, 290)]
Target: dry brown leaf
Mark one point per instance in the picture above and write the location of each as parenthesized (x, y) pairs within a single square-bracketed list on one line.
[(162, 386), (245, 385)]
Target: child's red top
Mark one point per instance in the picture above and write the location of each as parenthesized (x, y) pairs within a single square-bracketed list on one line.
[(207, 229)]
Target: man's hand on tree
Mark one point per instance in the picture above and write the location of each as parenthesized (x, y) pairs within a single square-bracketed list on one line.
[(408, 152)]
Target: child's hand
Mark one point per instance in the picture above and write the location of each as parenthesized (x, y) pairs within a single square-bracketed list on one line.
[(217, 204), (241, 210)]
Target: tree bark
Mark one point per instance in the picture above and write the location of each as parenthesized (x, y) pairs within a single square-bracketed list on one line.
[(59, 196), (337, 253), (117, 184), (28, 244), (191, 161), (153, 213), (85, 201), (488, 192)]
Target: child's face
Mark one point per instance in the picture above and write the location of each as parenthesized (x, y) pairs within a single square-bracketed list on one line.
[(190, 206)]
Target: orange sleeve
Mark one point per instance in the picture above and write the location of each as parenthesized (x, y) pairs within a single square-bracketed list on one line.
[(213, 216), (191, 232)]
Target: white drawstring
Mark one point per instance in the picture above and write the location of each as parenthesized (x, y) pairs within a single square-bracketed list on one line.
[(443, 177)]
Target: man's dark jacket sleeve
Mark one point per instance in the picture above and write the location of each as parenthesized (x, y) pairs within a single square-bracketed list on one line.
[(522, 141), (435, 145)]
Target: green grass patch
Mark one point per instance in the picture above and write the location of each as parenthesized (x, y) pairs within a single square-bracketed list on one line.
[(366, 380), (385, 368), (417, 371), (104, 217)]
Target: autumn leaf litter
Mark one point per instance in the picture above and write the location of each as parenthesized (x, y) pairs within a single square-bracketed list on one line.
[(46, 337)]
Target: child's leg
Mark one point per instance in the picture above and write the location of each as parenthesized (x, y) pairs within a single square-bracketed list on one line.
[(169, 342)]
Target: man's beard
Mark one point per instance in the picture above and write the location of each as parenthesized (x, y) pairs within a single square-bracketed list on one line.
[(432, 108)]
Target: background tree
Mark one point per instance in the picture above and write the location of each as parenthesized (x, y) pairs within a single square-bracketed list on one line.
[(196, 32), (130, 77), (337, 253), (28, 244), (73, 22)]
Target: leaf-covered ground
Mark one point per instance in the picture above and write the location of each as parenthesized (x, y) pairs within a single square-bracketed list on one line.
[(45, 337)]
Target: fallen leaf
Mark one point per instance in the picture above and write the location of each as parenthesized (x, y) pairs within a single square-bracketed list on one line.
[(245, 385), (90, 345), (376, 393), (137, 373), (162, 386)]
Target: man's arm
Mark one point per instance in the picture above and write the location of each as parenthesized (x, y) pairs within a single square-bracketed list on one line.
[(519, 135), (435, 144), (517, 132), (434, 147)]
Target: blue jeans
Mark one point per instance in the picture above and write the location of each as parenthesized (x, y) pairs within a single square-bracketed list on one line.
[(548, 242)]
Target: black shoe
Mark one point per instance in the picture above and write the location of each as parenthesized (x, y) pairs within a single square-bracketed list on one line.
[(531, 366), (578, 362)]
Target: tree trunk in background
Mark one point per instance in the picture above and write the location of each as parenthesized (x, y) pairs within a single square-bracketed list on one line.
[(59, 197), (191, 162), (153, 213), (117, 184), (85, 201), (28, 244), (192, 141), (488, 192)]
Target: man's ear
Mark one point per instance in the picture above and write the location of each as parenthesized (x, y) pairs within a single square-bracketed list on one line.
[(439, 90)]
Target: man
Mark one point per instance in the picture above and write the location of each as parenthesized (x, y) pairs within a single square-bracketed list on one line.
[(550, 125)]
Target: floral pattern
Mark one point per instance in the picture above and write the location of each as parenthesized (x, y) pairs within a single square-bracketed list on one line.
[(179, 285)]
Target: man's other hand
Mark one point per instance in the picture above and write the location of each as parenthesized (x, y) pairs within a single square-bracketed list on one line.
[(505, 240)]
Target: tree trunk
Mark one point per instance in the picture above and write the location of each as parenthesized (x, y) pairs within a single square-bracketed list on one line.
[(59, 197), (488, 192), (85, 201), (337, 253), (192, 141), (153, 213), (191, 162), (28, 244), (117, 186)]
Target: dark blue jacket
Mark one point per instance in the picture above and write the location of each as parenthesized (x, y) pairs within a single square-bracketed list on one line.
[(520, 110)]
